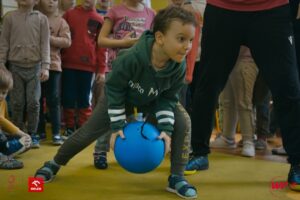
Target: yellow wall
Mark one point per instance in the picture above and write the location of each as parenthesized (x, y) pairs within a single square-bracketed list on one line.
[(156, 4)]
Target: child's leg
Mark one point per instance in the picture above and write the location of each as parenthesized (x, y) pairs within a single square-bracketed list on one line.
[(97, 125), (53, 101), (100, 153), (181, 137), (84, 82), (17, 96), (180, 147), (244, 83), (230, 113), (102, 143), (41, 131), (33, 94), (69, 93)]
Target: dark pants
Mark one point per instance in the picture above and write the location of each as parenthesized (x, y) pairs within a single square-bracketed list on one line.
[(76, 88), (269, 36), (261, 101), (51, 92)]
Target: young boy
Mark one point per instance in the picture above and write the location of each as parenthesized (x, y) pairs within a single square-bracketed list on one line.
[(148, 76), (13, 141), (24, 44), (80, 62)]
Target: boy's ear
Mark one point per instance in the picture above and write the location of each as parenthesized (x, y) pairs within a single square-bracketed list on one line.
[(159, 38)]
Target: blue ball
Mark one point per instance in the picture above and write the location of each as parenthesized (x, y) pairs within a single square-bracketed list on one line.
[(141, 151)]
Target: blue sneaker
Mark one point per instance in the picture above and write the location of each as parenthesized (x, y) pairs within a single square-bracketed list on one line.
[(57, 140), (100, 160), (180, 186), (14, 147), (195, 164), (35, 144), (294, 177)]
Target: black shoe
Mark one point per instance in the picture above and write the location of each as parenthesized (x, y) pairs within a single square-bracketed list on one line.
[(68, 132), (100, 160), (294, 177)]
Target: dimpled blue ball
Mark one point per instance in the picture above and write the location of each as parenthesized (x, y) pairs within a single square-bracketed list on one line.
[(141, 151)]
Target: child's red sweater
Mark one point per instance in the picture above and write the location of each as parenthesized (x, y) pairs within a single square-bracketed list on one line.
[(84, 54)]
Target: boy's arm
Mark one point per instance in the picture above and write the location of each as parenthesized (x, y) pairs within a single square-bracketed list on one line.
[(4, 40), (45, 43), (63, 39), (116, 87), (166, 103)]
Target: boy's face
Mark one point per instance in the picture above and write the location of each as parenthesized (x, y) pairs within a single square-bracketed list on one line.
[(27, 3), (49, 6), (176, 42), (3, 94), (88, 4)]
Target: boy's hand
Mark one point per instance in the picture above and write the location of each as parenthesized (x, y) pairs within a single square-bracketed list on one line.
[(26, 139), (44, 75), (114, 136), (167, 139)]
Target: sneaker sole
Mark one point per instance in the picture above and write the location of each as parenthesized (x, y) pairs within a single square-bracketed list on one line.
[(186, 173), (191, 172), (223, 147), (175, 192), (46, 181)]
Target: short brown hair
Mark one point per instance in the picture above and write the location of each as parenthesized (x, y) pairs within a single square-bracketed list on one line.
[(6, 80), (165, 16)]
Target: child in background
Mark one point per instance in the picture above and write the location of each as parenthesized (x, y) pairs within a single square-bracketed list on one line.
[(122, 27), (60, 38), (28, 57), (79, 62), (64, 5), (156, 64), (13, 141), (103, 6), (236, 99)]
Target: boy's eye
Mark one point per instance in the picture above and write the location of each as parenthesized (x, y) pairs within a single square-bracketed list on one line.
[(181, 39)]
